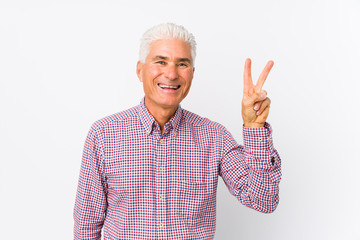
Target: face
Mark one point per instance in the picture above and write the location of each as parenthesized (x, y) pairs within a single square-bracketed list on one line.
[(166, 74)]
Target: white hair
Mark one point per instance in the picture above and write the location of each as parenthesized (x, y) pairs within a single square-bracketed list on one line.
[(166, 31)]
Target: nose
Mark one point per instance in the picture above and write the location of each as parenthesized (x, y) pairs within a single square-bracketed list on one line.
[(171, 72)]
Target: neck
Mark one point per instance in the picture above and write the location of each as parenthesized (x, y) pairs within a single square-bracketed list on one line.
[(161, 115)]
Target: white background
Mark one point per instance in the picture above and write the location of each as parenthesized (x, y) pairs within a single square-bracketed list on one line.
[(66, 64)]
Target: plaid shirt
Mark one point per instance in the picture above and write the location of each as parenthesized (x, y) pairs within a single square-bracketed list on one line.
[(137, 183)]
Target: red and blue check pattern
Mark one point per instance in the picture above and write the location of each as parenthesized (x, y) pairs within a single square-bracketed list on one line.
[(136, 183)]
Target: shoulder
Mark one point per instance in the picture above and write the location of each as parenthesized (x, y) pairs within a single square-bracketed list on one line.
[(198, 121), (115, 119)]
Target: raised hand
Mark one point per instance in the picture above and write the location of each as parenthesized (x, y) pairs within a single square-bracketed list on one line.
[(255, 103)]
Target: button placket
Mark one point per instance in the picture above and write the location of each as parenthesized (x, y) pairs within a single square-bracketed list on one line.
[(161, 185)]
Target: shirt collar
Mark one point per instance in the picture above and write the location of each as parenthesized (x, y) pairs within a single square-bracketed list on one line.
[(149, 121)]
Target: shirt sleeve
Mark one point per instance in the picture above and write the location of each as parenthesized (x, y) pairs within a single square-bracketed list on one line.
[(90, 204), (252, 172)]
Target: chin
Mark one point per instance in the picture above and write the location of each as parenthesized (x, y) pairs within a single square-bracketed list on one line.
[(170, 102)]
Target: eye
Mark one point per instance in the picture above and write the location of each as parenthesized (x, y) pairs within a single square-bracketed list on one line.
[(183, 65), (160, 62)]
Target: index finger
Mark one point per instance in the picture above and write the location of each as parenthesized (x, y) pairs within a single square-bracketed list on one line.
[(264, 75), (248, 83)]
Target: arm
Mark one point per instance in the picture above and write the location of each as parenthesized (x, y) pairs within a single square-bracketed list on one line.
[(90, 204), (252, 172)]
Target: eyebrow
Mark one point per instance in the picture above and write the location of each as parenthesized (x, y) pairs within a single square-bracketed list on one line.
[(159, 57), (177, 60), (184, 60)]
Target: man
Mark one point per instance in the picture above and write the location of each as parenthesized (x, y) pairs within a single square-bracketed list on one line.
[(151, 172)]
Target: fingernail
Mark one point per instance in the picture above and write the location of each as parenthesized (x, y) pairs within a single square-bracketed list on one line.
[(262, 95), (258, 113), (256, 107)]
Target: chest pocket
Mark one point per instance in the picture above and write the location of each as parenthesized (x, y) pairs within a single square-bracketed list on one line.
[(190, 198)]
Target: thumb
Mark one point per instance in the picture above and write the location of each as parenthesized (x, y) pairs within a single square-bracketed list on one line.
[(255, 96)]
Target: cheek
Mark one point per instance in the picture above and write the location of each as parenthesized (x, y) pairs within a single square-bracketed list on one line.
[(188, 76), (154, 72), (187, 83), (148, 77), (150, 72)]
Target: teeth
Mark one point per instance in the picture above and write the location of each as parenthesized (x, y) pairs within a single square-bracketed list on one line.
[(166, 86)]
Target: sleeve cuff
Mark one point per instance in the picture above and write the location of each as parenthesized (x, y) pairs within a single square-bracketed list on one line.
[(258, 138), (259, 145)]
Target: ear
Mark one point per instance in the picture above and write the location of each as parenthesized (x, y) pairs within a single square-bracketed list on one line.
[(139, 67), (193, 70)]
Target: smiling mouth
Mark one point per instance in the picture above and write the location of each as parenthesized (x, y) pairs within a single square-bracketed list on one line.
[(163, 86)]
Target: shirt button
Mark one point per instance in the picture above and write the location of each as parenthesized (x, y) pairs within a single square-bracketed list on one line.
[(161, 169), (175, 133), (161, 225), (161, 140), (161, 196), (260, 139)]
